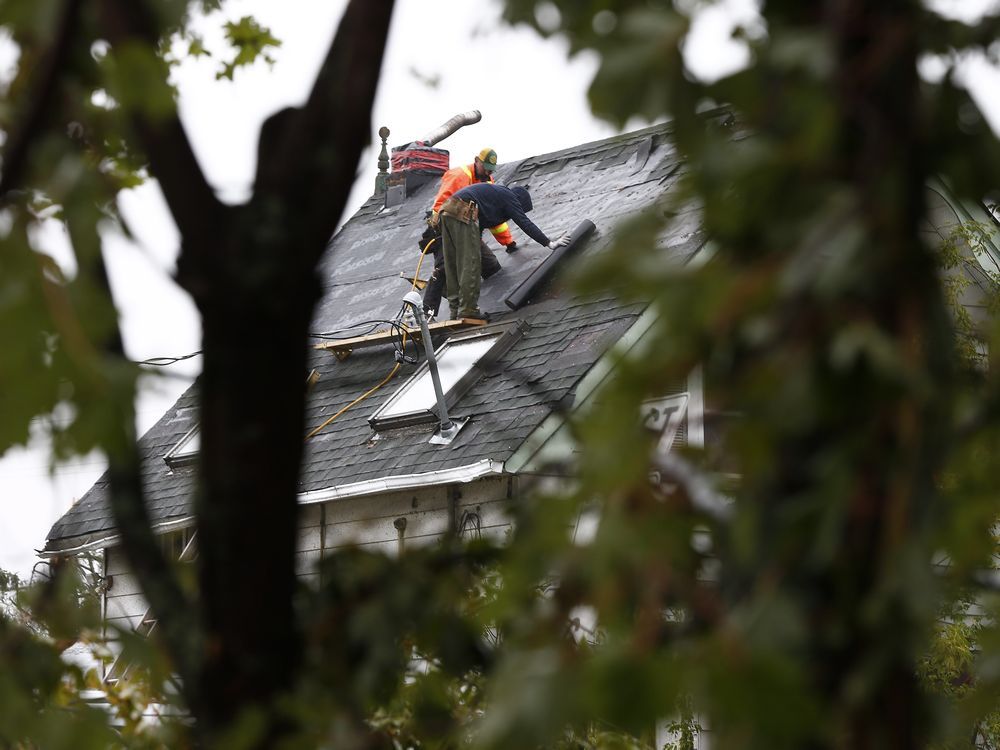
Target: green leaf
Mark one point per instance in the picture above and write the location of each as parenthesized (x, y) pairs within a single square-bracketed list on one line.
[(250, 41)]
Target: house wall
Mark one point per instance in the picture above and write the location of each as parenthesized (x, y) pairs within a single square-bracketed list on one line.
[(475, 509)]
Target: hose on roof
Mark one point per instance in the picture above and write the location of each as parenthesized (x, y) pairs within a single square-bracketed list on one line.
[(394, 370)]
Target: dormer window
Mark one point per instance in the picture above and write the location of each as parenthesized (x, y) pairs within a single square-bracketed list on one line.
[(461, 362), (186, 450)]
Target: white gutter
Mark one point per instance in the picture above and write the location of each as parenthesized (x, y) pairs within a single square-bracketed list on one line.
[(457, 475)]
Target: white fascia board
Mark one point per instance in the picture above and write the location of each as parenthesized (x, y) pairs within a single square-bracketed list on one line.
[(458, 475)]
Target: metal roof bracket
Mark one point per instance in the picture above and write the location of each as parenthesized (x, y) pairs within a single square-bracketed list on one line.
[(442, 437)]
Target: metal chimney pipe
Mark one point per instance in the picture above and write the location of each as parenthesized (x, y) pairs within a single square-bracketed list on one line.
[(458, 121)]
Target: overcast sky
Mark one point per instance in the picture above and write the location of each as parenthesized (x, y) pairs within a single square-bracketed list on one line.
[(443, 58)]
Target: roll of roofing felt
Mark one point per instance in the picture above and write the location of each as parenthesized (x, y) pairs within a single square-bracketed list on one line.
[(528, 288)]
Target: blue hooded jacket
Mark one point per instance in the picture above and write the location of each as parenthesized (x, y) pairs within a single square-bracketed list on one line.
[(499, 203)]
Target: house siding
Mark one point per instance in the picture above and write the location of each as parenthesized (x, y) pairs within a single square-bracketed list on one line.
[(364, 522)]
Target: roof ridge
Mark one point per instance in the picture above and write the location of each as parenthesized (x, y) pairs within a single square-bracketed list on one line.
[(632, 135), (583, 148)]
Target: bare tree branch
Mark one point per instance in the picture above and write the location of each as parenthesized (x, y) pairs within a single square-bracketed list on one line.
[(308, 159), (188, 194), (179, 626)]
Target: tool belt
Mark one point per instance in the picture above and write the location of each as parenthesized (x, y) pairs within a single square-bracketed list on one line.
[(466, 212)]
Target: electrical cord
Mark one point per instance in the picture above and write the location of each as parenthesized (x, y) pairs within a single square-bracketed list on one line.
[(358, 400), (335, 335), (401, 352)]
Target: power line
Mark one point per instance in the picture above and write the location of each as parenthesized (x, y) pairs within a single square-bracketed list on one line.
[(164, 361), (346, 332)]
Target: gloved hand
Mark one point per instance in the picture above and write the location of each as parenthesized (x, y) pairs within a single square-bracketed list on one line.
[(511, 248), (434, 220), (561, 242), (430, 234)]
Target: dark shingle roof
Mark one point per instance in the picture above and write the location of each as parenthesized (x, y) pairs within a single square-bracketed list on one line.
[(604, 181)]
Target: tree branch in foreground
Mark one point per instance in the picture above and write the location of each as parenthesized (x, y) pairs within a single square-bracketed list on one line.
[(310, 162), (191, 200), (16, 154)]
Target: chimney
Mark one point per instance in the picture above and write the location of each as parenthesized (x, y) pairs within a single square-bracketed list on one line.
[(419, 162)]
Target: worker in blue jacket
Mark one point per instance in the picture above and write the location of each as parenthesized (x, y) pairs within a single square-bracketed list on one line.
[(463, 217)]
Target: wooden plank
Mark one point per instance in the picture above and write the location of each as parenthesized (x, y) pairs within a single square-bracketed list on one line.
[(415, 281), (342, 348)]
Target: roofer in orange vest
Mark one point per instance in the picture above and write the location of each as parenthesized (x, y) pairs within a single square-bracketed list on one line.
[(481, 170)]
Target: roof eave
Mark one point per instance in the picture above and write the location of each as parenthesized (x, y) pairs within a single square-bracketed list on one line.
[(455, 475)]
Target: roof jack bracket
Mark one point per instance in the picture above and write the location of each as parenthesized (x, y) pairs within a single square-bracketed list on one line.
[(448, 428)]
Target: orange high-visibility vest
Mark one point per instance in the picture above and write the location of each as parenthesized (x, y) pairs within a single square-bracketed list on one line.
[(454, 180)]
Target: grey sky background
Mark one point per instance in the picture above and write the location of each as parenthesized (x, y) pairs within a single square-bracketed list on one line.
[(443, 57)]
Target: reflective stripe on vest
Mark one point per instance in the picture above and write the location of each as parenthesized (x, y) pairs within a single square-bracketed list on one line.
[(468, 173)]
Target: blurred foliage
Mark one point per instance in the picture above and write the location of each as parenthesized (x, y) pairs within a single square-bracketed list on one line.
[(841, 599), (40, 691), (826, 319), (56, 313), (53, 642)]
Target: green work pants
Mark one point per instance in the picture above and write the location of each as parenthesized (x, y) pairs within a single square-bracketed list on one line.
[(462, 264)]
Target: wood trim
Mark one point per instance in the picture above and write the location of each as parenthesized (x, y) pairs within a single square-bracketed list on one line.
[(342, 349)]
